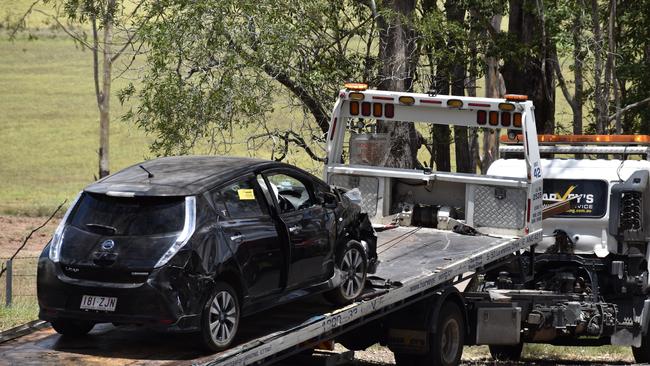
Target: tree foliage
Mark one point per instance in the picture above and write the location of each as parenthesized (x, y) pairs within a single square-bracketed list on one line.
[(215, 67)]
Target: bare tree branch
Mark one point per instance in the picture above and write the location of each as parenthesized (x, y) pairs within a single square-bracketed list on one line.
[(628, 107), (287, 137), (32, 233), (22, 19), (72, 35), (562, 81)]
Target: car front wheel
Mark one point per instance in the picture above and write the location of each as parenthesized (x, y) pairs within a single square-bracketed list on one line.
[(353, 263), (220, 319)]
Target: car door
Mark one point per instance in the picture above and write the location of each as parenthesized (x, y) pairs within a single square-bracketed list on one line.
[(252, 235), (306, 224)]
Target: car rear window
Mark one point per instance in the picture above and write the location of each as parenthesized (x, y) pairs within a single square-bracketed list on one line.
[(129, 216), (591, 196)]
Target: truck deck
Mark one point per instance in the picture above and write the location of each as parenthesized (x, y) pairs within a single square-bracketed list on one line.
[(414, 262)]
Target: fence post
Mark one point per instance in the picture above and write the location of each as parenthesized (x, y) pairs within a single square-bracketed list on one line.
[(9, 275)]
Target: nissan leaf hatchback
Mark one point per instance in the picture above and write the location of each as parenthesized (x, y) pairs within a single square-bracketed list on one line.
[(194, 243)]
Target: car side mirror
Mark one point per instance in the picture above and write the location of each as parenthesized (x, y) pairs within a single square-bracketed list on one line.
[(329, 200)]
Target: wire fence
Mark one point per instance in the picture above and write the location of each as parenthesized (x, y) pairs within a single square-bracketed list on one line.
[(18, 282)]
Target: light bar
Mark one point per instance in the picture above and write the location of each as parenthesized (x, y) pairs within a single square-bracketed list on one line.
[(588, 139), (356, 86)]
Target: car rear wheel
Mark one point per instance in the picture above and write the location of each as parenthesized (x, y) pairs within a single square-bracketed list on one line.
[(72, 327), (353, 263), (220, 320)]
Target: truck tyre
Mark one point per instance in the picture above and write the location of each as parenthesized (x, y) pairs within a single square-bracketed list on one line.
[(220, 318), (445, 345), (449, 338), (507, 352), (72, 327), (642, 354), (353, 263)]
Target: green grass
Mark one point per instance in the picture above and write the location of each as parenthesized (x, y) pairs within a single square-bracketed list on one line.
[(49, 125)]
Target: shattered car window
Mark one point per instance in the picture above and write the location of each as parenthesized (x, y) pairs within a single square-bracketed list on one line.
[(129, 216), (291, 193)]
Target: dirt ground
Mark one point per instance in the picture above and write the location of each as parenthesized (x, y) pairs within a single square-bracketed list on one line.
[(14, 230)]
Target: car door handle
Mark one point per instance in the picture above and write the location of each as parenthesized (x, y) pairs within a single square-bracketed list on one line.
[(237, 238), (295, 229)]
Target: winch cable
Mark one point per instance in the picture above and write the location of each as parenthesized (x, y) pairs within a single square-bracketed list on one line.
[(397, 240)]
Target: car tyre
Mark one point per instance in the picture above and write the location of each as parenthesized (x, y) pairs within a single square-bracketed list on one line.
[(353, 263), (72, 327), (507, 352), (220, 318)]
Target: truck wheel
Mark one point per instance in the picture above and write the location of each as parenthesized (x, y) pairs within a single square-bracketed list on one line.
[(445, 345), (353, 264), (72, 327), (220, 318), (449, 339), (506, 353), (642, 354)]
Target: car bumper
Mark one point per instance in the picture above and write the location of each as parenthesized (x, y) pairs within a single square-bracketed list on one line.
[(169, 298)]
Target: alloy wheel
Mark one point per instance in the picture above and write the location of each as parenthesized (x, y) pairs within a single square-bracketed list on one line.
[(223, 318), (353, 271)]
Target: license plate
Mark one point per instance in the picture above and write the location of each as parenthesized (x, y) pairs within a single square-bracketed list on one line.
[(102, 303)]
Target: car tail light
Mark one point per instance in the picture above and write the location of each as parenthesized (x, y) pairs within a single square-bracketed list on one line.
[(185, 235), (57, 238)]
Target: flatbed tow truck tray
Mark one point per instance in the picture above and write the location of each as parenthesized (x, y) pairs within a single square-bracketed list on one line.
[(415, 260)]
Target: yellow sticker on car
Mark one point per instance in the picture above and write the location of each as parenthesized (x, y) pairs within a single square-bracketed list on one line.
[(246, 194)]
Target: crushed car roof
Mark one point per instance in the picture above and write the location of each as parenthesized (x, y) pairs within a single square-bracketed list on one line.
[(177, 175)]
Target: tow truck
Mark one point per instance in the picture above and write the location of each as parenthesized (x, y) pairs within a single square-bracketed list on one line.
[(586, 283), (435, 229)]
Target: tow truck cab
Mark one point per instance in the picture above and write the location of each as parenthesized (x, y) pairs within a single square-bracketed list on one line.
[(594, 257)]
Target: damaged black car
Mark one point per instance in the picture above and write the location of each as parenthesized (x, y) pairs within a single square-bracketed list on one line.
[(195, 243)]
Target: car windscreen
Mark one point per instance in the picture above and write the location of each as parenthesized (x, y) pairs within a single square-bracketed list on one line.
[(590, 196), (128, 216)]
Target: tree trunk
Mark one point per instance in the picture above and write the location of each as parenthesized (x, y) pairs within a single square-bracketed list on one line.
[(494, 88), (610, 67), (532, 76), (456, 14), (104, 97), (579, 55), (397, 50), (598, 69)]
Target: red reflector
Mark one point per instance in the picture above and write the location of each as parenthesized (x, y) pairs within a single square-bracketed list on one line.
[(354, 108), (334, 126), (382, 98), (389, 111), (376, 109), (166, 321), (478, 104), (365, 109), (505, 119), (494, 118), (528, 212), (481, 117), (430, 101)]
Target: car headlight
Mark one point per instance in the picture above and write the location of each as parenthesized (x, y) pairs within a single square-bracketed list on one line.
[(185, 235), (57, 239)]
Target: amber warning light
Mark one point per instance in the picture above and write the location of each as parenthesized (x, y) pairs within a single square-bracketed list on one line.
[(587, 139), (356, 86)]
